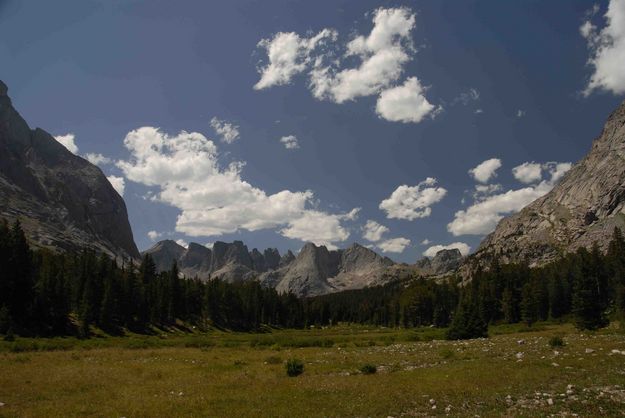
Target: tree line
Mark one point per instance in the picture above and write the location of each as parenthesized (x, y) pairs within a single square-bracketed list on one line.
[(47, 293)]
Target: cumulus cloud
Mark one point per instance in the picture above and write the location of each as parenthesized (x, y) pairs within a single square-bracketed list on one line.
[(461, 246), (486, 170), (97, 159), (425, 242), (394, 245), (290, 142), (482, 191), (226, 130), (607, 50), (382, 55), (373, 231), (153, 235), (118, 184), (288, 55), (520, 113), (482, 217), (528, 172), (464, 98), (412, 202), (68, 142), (366, 65), (405, 103), (215, 200)]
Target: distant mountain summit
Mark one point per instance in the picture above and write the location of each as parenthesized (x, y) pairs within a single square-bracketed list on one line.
[(583, 208), (314, 271), (63, 201)]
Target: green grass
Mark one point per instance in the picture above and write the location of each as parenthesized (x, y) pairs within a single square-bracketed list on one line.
[(237, 374)]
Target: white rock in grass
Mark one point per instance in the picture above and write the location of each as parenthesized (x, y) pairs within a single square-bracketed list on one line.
[(589, 351), (432, 401), (550, 401)]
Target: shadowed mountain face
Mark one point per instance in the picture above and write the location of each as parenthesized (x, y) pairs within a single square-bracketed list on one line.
[(583, 208), (63, 201)]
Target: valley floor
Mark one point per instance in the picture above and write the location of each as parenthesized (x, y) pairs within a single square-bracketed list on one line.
[(220, 374)]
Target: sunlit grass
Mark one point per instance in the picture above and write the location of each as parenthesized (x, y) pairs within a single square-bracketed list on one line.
[(237, 374)]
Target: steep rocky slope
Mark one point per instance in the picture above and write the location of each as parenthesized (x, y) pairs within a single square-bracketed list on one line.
[(583, 208), (63, 201), (316, 271), (226, 261)]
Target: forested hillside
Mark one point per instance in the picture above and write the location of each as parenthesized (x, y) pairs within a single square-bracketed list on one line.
[(46, 293)]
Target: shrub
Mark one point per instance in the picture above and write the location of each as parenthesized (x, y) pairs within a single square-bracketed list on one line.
[(556, 342), (294, 367), (447, 353), (368, 369)]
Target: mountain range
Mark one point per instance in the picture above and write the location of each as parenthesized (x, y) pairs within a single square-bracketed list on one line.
[(65, 203), (314, 271)]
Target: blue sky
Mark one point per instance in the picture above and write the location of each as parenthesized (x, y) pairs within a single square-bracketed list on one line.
[(332, 121)]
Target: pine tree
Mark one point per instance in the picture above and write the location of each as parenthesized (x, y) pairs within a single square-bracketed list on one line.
[(467, 322), (529, 304), (588, 307)]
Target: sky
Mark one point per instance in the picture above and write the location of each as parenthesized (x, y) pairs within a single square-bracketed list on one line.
[(405, 126)]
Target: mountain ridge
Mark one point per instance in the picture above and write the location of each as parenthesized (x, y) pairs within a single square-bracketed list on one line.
[(63, 201)]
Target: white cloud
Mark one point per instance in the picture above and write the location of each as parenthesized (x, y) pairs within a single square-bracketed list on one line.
[(68, 142), (226, 130), (482, 217), (379, 59), (215, 200), (118, 184), (528, 172), (520, 113), (97, 159), (394, 245), (425, 242), (373, 231), (478, 111), (484, 190), (290, 142), (412, 202), (153, 235), (288, 55), (405, 103), (382, 56), (467, 97), (461, 246), (607, 50), (486, 170)]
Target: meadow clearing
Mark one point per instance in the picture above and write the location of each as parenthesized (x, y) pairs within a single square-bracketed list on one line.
[(515, 372)]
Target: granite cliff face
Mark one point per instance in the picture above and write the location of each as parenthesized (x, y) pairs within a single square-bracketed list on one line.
[(443, 262), (316, 271), (63, 201), (583, 208), (231, 262)]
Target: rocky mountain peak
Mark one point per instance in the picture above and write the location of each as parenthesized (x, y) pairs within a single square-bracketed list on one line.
[(583, 208), (63, 201)]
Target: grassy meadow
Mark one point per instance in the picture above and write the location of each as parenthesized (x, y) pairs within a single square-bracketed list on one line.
[(515, 372)]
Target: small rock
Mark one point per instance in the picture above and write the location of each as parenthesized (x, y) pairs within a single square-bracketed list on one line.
[(432, 401), (555, 364), (589, 351), (550, 401), (520, 342), (448, 409), (1, 404), (433, 406), (519, 355)]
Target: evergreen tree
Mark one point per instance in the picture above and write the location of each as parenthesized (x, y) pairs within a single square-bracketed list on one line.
[(467, 322)]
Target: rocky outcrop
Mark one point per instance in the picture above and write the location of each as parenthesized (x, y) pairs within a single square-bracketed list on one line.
[(583, 208), (63, 201), (316, 271), (443, 262), (230, 262)]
